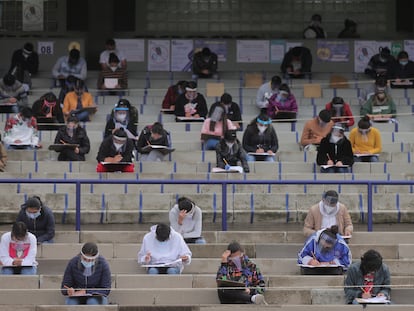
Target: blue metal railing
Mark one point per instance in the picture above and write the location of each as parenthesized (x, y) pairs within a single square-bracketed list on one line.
[(224, 183)]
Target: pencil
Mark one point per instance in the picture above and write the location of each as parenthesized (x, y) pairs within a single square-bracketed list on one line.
[(225, 161), (329, 158), (313, 255)]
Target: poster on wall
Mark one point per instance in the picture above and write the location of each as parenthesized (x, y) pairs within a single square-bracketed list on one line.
[(332, 51), (253, 51), (277, 51), (217, 46), (409, 48), (181, 55), (364, 50), (290, 45), (32, 15), (133, 49), (158, 55)]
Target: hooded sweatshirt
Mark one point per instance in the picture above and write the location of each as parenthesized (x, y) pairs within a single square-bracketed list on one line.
[(43, 227)]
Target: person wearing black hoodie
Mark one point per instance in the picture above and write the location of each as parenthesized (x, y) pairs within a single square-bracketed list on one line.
[(38, 218)]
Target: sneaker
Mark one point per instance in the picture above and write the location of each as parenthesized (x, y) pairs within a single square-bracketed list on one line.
[(259, 299)]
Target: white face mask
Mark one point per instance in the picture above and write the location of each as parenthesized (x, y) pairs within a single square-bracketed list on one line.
[(121, 117), (230, 145), (329, 209), (334, 139), (118, 146), (113, 68), (262, 129)]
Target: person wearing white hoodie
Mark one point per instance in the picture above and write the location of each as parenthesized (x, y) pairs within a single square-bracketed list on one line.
[(164, 251), (18, 250)]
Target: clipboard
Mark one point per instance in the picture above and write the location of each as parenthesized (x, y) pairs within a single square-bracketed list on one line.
[(167, 111), (173, 263), (189, 119), (285, 115), (163, 149), (115, 167), (229, 283), (362, 155), (61, 147), (321, 269), (373, 300), (262, 154), (8, 108), (110, 83), (233, 169), (328, 166)]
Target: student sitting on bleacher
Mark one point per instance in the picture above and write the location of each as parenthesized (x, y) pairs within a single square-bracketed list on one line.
[(191, 104), (326, 213), (316, 129), (214, 127), (335, 152), (231, 110), (72, 134), (150, 138), (379, 107), (282, 105), (325, 248), (87, 278), (47, 106), (381, 63), (297, 63), (18, 250), (78, 103), (24, 64), (3, 157), (403, 72), (341, 112), (12, 92), (115, 153), (20, 131), (124, 116), (260, 140), (368, 278), (164, 251), (380, 83), (365, 141), (114, 77), (38, 218), (172, 94), (266, 91), (205, 63), (238, 270), (229, 152), (187, 219)]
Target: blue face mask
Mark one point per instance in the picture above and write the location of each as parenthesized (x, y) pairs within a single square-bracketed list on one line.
[(33, 215), (87, 264), (403, 62)]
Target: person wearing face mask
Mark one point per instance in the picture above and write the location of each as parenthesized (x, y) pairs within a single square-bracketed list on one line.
[(238, 267), (365, 141), (214, 127), (260, 140), (115, 153), (153, 135), (191, 104), (47, 107), (87, 278), (316, 129), (187, 219), (231, 110), (335, 152), (229, 152), (72, 134), (18, 249), (266, 91), (297, 63), (124, 116), (328, 212), (172, 94), (323, 248), (38, 218), (341, 112), (315, 30), (79, 103), (164, 251), (205, 63), (12, 92), (111, 72), (402, 72), (380, 83), (367, 278), (282, 105), (379, 107), (20, 131), (111, 48), (381, 63), (24, 64)]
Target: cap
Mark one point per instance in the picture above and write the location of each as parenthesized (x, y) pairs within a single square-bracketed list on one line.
[(337, 100)]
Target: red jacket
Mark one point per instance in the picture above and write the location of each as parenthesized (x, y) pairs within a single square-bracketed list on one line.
[(347, 116)]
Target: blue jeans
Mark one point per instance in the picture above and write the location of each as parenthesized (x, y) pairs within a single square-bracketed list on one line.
[(210, 144), (373, 158), (169, 270), (93, 300), (252, 158), (23, 270)]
